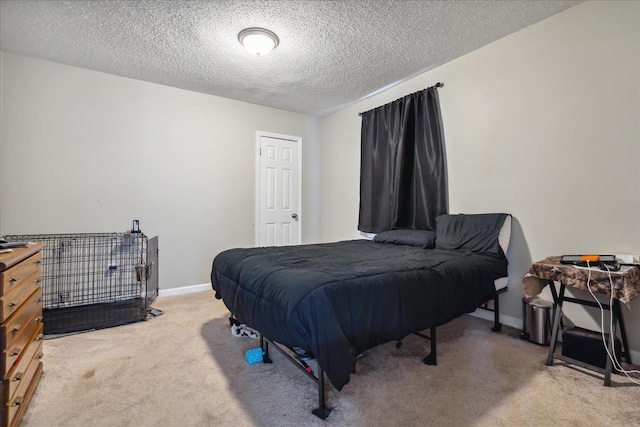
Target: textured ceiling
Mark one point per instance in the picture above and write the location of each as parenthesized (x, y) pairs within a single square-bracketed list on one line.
[(331, 53)]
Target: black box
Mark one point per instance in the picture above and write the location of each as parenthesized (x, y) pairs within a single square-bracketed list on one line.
[(587, 346)]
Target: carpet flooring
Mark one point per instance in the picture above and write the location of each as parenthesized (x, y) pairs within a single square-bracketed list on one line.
[(184, 368)]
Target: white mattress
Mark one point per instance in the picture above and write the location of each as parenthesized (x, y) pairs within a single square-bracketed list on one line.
[(503, 238), (501, 283)]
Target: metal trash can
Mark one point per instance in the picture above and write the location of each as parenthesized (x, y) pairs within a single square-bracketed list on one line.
[(536, 316)]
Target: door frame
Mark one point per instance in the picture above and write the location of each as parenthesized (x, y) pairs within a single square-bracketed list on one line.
[(298, 141)]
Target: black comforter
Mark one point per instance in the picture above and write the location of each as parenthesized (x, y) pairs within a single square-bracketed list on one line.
[(338, 299)]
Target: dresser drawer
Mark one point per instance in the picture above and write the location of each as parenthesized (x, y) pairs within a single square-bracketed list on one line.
[(11, 301), (21, 330), (19, 373), (17, 405), (14, 276), (22, 320), (16, 352)]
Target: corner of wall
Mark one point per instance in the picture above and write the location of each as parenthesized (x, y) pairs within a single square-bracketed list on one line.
[(1, 133)]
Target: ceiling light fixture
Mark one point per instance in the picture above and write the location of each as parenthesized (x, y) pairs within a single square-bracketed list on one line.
[(258, 41)]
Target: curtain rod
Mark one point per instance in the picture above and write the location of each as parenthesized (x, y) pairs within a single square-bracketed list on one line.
[(435, 85)]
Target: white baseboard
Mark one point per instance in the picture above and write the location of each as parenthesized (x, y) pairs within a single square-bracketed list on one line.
[(184, 290), (514, 322)]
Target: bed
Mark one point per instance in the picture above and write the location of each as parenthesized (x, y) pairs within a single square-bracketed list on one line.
[(333, 301)]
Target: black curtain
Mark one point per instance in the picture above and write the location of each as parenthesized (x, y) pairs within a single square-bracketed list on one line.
[(403, 166)]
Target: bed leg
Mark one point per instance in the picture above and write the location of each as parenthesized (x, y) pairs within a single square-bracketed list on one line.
[(431, 357), (264, 345), (497, 326), (321, 411)]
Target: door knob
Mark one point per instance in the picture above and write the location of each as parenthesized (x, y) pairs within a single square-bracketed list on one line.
[(294, 216)]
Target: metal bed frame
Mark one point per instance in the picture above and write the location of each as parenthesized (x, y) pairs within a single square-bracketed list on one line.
[(323, 410)]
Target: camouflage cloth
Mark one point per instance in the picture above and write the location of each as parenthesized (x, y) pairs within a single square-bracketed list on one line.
[(626, 282)]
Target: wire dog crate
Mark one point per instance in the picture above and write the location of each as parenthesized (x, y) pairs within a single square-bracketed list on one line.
[(94, 281)]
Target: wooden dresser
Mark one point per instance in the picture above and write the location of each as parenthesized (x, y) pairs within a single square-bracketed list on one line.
[(21, 330)]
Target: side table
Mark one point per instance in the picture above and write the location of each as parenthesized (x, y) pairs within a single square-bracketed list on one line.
[(626, 285)]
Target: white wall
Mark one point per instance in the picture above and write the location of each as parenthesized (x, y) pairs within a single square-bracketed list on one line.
[(543, 124), (83, 151)]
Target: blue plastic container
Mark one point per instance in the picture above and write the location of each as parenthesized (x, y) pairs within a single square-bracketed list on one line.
[(254, 355)]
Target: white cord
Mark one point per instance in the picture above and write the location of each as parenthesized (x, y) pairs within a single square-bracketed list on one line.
[(614, 360)]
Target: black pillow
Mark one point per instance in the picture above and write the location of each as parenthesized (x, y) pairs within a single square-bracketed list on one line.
[(472, 233), (419, 238)]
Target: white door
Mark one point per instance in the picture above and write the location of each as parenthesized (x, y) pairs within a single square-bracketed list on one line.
[(278, 216)]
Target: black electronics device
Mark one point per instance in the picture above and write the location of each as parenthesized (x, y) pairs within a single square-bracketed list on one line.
[(605, 262), (584, 260), (587, 346), (609, 267)]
